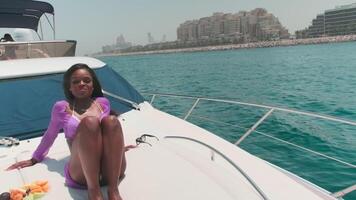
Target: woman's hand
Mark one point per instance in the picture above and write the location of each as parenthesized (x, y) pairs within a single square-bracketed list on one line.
[(22, 164), (128, 147)]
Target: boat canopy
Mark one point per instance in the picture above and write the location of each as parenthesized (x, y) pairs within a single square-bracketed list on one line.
[(23, 13), (27, 102)]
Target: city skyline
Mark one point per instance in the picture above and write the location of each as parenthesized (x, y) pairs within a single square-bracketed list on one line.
[(97, 23), (244, 26)]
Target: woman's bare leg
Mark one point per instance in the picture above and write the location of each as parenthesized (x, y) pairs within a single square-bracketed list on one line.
[(113, 153), (84, 165)]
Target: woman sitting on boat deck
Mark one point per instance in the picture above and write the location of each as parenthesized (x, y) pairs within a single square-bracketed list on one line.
[(94, 136)]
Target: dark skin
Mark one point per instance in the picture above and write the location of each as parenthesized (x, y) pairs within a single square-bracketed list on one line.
[(97, 151)]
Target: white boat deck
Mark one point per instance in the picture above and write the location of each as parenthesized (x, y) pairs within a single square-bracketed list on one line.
[(170, 169)]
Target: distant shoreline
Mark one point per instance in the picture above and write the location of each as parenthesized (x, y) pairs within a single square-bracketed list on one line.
[(264, 44)]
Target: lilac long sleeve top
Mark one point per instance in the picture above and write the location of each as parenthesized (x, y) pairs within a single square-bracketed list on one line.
[(61, 119)]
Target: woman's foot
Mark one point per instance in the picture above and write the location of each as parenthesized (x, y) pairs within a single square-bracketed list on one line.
[(95, 194), (114, 194)]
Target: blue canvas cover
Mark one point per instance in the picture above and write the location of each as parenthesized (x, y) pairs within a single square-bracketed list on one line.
[(22, 13), (26, 103)]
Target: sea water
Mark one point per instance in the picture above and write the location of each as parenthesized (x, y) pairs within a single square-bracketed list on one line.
[(312, 78)]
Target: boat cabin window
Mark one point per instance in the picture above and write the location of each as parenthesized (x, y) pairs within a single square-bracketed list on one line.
[(27, 101)]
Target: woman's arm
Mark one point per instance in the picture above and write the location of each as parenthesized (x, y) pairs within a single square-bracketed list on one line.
[(56, 123)]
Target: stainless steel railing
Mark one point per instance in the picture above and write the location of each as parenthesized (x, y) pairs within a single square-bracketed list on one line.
[(252, 129), (271, 109), (248, 178)]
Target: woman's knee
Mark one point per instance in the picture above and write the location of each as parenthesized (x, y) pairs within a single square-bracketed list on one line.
[(110, 123), (90, 124)]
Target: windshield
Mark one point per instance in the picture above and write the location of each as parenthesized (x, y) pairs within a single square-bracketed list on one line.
[(27, 102)]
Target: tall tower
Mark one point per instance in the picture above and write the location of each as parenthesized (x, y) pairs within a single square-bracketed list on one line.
[(164, 38), (150, 38)]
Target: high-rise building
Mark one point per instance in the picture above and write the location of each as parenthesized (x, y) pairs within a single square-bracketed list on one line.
[(317, 29), (217, 24), (341, 20), (188, 30), (204, 28), (150, 38), (255, 25), (232, 24), (244, 22), (338, 21)]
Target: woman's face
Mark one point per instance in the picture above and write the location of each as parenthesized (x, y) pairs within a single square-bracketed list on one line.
[(81, 84)]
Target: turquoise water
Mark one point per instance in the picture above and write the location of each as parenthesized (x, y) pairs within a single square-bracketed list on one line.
[(314, 78)]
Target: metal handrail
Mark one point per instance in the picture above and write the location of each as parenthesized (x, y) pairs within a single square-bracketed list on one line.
[(122, 99), (339, 194), (253, 128), (282, 141), (344, 192), (331, 118), (344, 121), (191, 109), (261, 193), (35, 42)]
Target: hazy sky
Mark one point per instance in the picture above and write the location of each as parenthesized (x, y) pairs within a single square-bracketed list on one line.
[(97, 23)]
